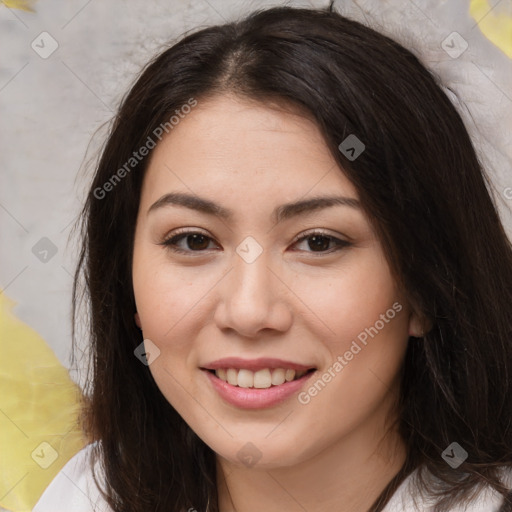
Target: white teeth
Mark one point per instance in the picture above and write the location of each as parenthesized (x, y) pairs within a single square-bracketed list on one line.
[(289, 375), (278, 376), (231, 376), (260, 379), (245, 379)]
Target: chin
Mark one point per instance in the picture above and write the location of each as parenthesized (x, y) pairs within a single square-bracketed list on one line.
[(260, 453)]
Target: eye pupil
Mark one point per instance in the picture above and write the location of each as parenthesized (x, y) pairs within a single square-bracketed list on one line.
[(197, 241), (318, 243)]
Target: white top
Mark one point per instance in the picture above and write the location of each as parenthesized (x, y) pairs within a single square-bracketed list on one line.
[(74, 489)]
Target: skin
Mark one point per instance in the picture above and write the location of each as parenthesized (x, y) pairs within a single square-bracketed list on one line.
[(292, 303)]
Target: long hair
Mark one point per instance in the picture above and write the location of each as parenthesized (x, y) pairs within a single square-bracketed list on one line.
[(422, 186)]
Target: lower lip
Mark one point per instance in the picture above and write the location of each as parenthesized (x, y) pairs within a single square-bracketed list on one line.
[(253, 398)]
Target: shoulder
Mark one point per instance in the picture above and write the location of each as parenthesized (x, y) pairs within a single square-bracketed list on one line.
[(74, 488), (408, 499)]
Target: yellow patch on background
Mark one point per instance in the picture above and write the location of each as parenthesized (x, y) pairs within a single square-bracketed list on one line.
[(496, 26), (24, 5), (39, 408)]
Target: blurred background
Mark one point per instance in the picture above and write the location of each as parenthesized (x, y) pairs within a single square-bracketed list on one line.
[(64, 68)]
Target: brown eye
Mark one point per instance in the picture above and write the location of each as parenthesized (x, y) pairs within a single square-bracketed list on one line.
[(188, 242), (197, 242), (320, 243)]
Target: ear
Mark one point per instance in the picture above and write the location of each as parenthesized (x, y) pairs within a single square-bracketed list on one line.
[(418, 325), (137, 320)]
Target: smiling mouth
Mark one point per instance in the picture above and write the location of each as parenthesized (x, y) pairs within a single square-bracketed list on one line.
[(260, 379)]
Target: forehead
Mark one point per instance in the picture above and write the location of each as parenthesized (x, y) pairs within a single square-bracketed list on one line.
[(228, 145)]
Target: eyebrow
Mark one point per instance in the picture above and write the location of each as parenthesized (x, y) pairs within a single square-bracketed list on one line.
[(279, 214)]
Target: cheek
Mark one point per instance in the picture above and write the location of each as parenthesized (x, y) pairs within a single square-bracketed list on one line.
[(173, 303), (366, 340), (168, 301), (169, 297), (353, 299)]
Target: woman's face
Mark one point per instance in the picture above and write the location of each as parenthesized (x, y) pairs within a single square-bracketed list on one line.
[(253, 258)]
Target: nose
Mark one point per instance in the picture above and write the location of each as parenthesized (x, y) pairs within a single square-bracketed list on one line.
[(253, 299)]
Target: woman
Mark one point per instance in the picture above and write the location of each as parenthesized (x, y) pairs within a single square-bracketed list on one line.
[(299, 285)]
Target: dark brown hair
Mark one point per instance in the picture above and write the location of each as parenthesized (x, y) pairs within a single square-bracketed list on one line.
[(421, 184)]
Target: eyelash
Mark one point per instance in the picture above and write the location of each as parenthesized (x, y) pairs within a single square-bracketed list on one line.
[(170, 242)]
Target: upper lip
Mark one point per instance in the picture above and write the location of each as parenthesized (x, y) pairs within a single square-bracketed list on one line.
[(254, 364)]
